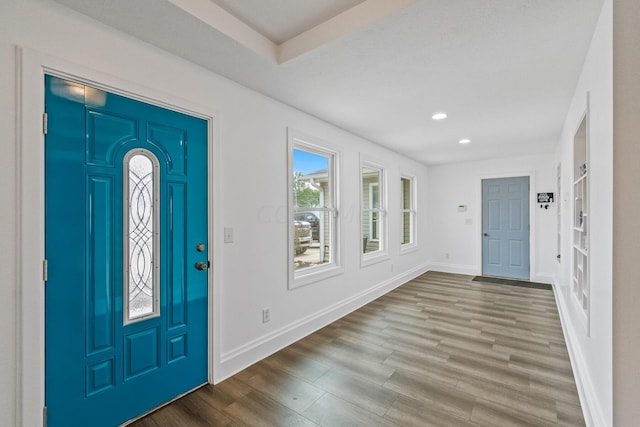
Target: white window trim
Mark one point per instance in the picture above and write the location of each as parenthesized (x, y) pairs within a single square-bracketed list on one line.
[(382, 254), (296, 279), (413, 245)]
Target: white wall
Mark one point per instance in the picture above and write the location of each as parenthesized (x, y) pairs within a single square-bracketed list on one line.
[(460, 184), (590, 342), (250, 146)]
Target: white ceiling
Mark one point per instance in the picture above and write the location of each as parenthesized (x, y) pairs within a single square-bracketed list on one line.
[(504, 70), (281, 20)]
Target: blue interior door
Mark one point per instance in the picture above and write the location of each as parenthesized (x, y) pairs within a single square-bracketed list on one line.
[(505, 225), (126, 244)]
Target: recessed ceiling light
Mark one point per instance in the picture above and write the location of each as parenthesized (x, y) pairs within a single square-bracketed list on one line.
[(439, 116), (464, 141)]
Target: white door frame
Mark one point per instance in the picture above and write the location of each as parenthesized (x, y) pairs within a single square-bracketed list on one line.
[(30, 319), (532, 220)]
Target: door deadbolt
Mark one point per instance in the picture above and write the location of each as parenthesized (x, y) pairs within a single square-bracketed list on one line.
[(200, 247)]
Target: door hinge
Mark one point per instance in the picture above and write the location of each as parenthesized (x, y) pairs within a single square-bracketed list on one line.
[(45, 270), (44, 416), (45, 123)]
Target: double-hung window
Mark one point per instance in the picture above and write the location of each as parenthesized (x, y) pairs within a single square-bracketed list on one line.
[(313, 224), (408, 211), (374, 214)]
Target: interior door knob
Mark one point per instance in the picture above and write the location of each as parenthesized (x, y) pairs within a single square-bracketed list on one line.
[(485, 234), (202, 265)]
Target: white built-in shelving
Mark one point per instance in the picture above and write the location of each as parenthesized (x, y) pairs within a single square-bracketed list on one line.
[(580, 280)]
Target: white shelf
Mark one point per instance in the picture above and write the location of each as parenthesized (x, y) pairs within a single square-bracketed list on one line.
[(583, 251), (582, 178)]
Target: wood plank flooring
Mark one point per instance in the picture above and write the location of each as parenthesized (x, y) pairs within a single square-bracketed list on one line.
[(440, 350)]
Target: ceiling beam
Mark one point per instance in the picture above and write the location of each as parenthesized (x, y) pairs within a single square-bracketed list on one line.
[(221, 20), (347, 22), (357, 17)]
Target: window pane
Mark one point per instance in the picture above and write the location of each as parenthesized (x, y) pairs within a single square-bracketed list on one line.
[(140, 211), (372, 209), (370, 188), (406, 193), (407, 208), (370, 231), (406, 227), (310, 179), (313, 209), (312, 239)]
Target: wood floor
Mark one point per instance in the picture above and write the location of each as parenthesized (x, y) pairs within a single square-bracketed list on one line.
[(440, 350)]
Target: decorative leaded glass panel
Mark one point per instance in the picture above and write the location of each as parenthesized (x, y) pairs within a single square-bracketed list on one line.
[(140, 211)]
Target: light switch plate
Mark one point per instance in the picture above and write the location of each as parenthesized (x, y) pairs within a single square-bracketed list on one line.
[(228, 235)]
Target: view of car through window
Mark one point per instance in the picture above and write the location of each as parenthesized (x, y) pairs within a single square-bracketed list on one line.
[(313, 221), (302, 237), (313, 202)]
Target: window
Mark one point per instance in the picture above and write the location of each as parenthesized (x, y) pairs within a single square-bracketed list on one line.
[(141, 191), (314, 214), (407, 204), (373, 212)]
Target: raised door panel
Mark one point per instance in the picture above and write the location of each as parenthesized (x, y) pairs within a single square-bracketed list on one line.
[(100, 265)]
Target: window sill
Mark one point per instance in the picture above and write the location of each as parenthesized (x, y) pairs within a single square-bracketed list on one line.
[(373, 258), (304, 279), (408, 248)]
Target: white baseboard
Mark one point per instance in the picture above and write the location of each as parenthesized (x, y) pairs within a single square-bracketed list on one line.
[(471, 270), (241, 357), (591, 408), (542, 278)]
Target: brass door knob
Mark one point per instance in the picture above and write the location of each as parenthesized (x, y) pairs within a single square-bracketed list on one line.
[(202, 266)]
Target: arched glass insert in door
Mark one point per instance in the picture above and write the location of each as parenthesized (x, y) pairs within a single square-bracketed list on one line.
[(141, 294)]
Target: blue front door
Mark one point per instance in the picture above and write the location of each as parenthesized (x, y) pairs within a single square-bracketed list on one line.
[(126, 245), (505, 226)]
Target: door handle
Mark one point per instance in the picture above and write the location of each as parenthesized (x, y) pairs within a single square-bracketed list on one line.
[(202, 265), (485, 234)]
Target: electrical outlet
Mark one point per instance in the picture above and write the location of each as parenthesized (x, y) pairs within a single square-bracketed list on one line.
[(266, 315)]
